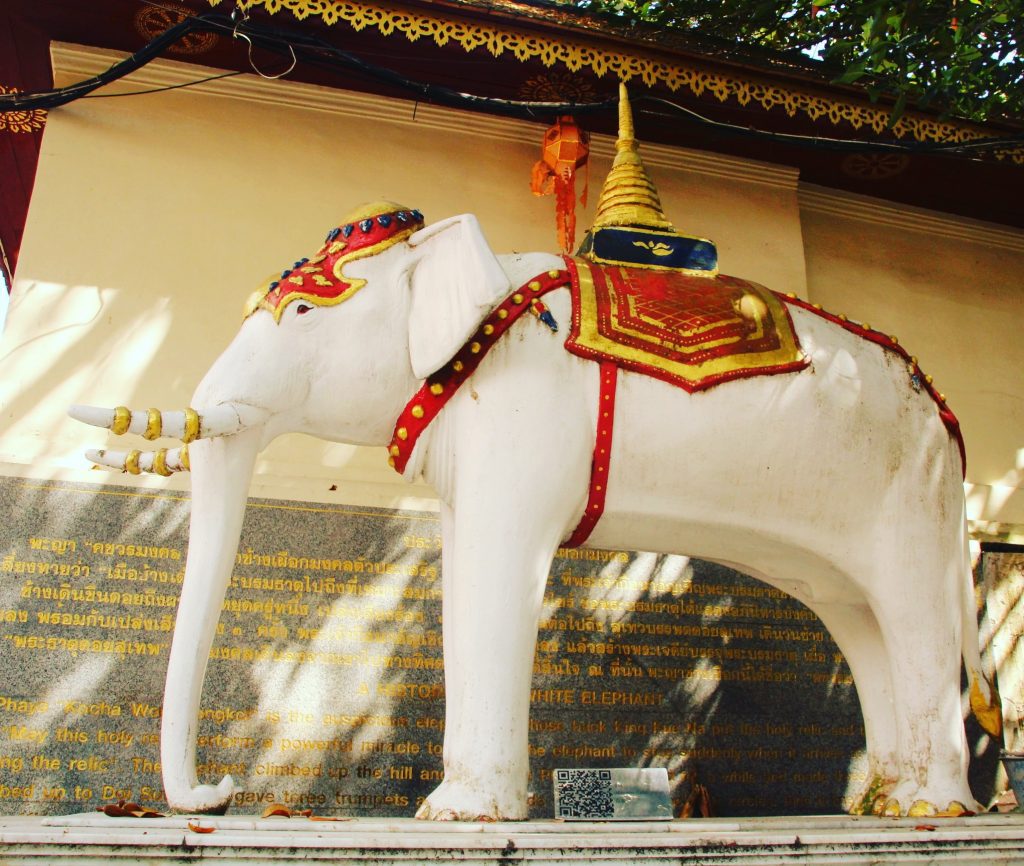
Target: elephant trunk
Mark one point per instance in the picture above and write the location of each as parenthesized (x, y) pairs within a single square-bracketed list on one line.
[(221, 470)]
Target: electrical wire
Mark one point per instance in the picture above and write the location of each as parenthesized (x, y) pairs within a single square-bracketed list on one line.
[(313, 51), (167, 87), (824, 142), (48, 99)]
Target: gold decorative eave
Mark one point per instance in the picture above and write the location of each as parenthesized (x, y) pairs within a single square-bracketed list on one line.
[(743, 87), (28, 120)]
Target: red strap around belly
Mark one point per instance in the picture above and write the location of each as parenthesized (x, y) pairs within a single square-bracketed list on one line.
[(602, 457), (441, 386)]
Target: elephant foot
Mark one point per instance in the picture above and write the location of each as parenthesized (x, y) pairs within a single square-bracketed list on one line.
[(203, 799), (454, 801), (891, 808), (913, 802), (866, 801)]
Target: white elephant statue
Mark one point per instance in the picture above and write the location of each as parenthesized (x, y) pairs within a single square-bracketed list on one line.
[(839, 483)]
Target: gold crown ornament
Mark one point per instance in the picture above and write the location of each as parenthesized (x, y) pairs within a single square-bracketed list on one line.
[(630, 227)]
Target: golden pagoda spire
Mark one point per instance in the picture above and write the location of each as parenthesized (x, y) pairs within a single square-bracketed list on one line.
[(628, 197)]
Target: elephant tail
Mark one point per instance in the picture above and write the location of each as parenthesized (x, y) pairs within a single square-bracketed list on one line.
[(984, 698)]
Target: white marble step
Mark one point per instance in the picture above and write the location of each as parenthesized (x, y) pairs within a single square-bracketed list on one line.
[(96, 839)]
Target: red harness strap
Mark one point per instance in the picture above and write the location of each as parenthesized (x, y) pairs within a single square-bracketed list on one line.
[(602, 457), (441, 386), (919, 379)]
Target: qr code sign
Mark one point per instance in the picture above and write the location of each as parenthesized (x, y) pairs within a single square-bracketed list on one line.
[(584, 794)]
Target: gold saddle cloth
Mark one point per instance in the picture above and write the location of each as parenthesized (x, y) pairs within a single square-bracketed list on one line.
[(690, 331)]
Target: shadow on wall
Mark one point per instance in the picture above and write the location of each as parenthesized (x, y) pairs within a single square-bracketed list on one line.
[(325, 684)]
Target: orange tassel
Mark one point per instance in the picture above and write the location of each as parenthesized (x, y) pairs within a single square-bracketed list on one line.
[(566, 148)]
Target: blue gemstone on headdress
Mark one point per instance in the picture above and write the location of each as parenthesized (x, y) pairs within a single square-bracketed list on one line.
[(332, 234), (284, 274), (417, 215), (298, 264), (402, 216), (347, 230), (365, 226), (274, 285), (384, 220)]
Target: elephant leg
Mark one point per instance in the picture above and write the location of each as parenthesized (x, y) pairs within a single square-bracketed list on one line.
[(856, 632), (516, 490), (497, 556), (493, 591), (923, 640)]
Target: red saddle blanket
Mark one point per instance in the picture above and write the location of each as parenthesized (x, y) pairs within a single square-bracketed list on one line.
[(691, 331)]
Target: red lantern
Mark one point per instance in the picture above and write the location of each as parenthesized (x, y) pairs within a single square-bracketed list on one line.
[(566, 148)]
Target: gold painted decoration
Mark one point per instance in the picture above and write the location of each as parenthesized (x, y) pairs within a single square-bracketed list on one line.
[(122, 418), (651, 300), (556, 86), (694, 332), (154, 425), (320, 279), (152, 20), (874, 166), (628, 197), (630, 228), (28, 120), (741, 88), (191, 426), (160, 463)]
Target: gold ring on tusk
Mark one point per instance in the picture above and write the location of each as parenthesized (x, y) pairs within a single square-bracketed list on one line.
[(160, 463), (131, 462), (122, 418), (154, 424), (191, 426), (183, 458)]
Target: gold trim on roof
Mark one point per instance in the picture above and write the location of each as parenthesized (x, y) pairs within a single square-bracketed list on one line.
[(26, 120), (575, 56)]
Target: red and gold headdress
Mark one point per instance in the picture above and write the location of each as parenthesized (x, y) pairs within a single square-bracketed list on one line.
[(319, 280)]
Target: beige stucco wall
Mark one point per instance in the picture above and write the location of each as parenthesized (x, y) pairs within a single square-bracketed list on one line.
[(154, 216)]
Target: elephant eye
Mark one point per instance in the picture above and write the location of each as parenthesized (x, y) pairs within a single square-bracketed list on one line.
[(302, 309)]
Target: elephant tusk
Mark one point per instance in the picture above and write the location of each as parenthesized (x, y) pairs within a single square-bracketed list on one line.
[(162, 462), (189, 425)]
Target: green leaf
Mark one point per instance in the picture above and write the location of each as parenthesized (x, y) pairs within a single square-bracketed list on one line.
[(898, 108), (883, 46), (852, 73)]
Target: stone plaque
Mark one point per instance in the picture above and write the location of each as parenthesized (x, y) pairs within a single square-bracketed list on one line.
[(325, 686)]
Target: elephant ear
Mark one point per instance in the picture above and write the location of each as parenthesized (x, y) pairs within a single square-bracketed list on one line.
[(456, 281)]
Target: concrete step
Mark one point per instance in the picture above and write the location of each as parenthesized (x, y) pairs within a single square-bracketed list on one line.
[(97, 839)]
